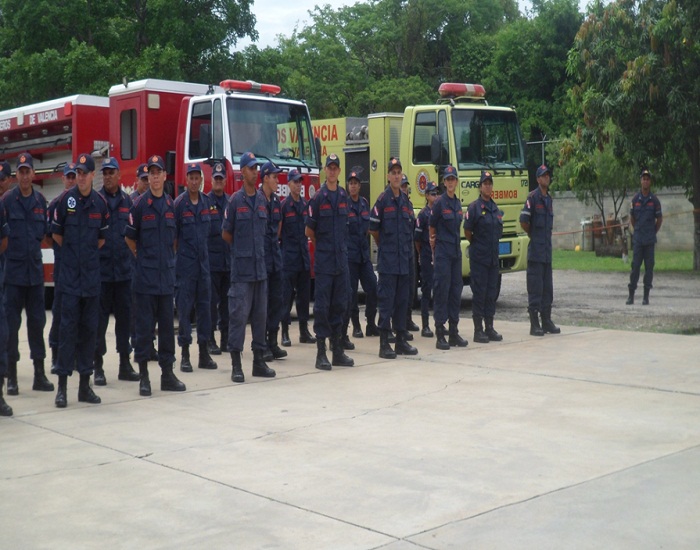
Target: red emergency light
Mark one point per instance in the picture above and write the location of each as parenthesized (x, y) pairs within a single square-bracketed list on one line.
[(455, 89), (249, 86)]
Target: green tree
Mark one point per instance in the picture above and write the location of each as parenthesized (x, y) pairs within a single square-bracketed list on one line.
[(638, 63)]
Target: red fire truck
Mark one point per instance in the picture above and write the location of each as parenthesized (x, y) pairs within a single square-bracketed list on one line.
[(182, 122)]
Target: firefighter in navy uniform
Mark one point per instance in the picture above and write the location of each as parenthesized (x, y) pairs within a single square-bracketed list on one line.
[(327, 227), (68, 180), (483, 228), (296, 262), (25, 213), (537, 220), (116, 267), (192, 279), (646, 219), (425, 257), (151, 237), (410, 325), (141, 184), (244, 226), (79, 227), (445, 225), (219, 260), (360, 267), (391, 225), (5, 409)]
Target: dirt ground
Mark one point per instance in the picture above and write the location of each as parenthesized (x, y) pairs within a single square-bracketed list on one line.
[(598, 300)]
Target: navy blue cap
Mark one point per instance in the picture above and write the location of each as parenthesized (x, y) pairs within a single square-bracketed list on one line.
[(333, 159), (219, 171), (110, 162), (142, 171), (404, 180), (294, 175), (85, 163), (354, 175), (431, 187), (485, 175), (248, 160), (542, 170), (645, 172), (269, 168), (156, 160), (69, 169), (25, 159), (450, 172), (193, 167), (394, 161), (5, 170)]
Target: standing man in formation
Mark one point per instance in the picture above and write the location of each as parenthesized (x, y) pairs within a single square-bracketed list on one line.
[(483, 227), (5, 409), (646, 219), (425, 257), (116, 267), (219, 260), (360, 268), (151, 237), (410, 325), (296, 263), (326, 226), (79, 227), (537, 220), (244, 227), (192, 279), (445, 224), (25, 213), (391, 225)]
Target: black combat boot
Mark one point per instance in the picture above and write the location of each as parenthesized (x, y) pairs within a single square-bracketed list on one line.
[(41, 383), (185, 364), (236, 368), (213, 349), (223, 346), (205, 360), (267, 352), (285, 341), (85, 393), (61, 399), (322, 361), (277, 352), (440, 333), (372, 329), (385, 349), (490, 331), (98, 364), (426, 332), (356, 326), (144, 381), (5, 409), (630, 300), (126, 369), (645, 300), (168, 380), (54, 359), (402, 347), (345, 342), (547, 325), (305, 337), (535, 328), (479, 334), (454, 339), (260, 368), (410, 325), (12, 388), (339, 359)]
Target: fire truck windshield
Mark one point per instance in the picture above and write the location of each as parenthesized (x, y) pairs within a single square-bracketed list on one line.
[(487, 139), (273, 130)]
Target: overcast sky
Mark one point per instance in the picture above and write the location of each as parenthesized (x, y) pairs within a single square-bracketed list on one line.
[(276, 17)]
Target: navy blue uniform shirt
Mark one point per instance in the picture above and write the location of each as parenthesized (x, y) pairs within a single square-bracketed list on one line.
[(219, 250), (115, 257), (295, 244), (446, 218), (245, 218), (645, 211), (82, 221), (27, 219), (358, 229), (273, 255), (193, 227), (538, 212), (485, 220), (392, 217), (4, 232), (328, 217), (152, 226)]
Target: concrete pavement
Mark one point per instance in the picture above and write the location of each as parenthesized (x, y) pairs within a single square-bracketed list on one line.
[(588, 439)]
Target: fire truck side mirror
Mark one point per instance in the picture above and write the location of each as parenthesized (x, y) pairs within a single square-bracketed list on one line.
[(438, 155)]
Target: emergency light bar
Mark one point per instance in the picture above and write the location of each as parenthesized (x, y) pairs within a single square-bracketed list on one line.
[(455, 89), (249, 86)]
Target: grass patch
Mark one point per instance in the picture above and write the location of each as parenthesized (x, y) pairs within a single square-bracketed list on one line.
[(666, 261)]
